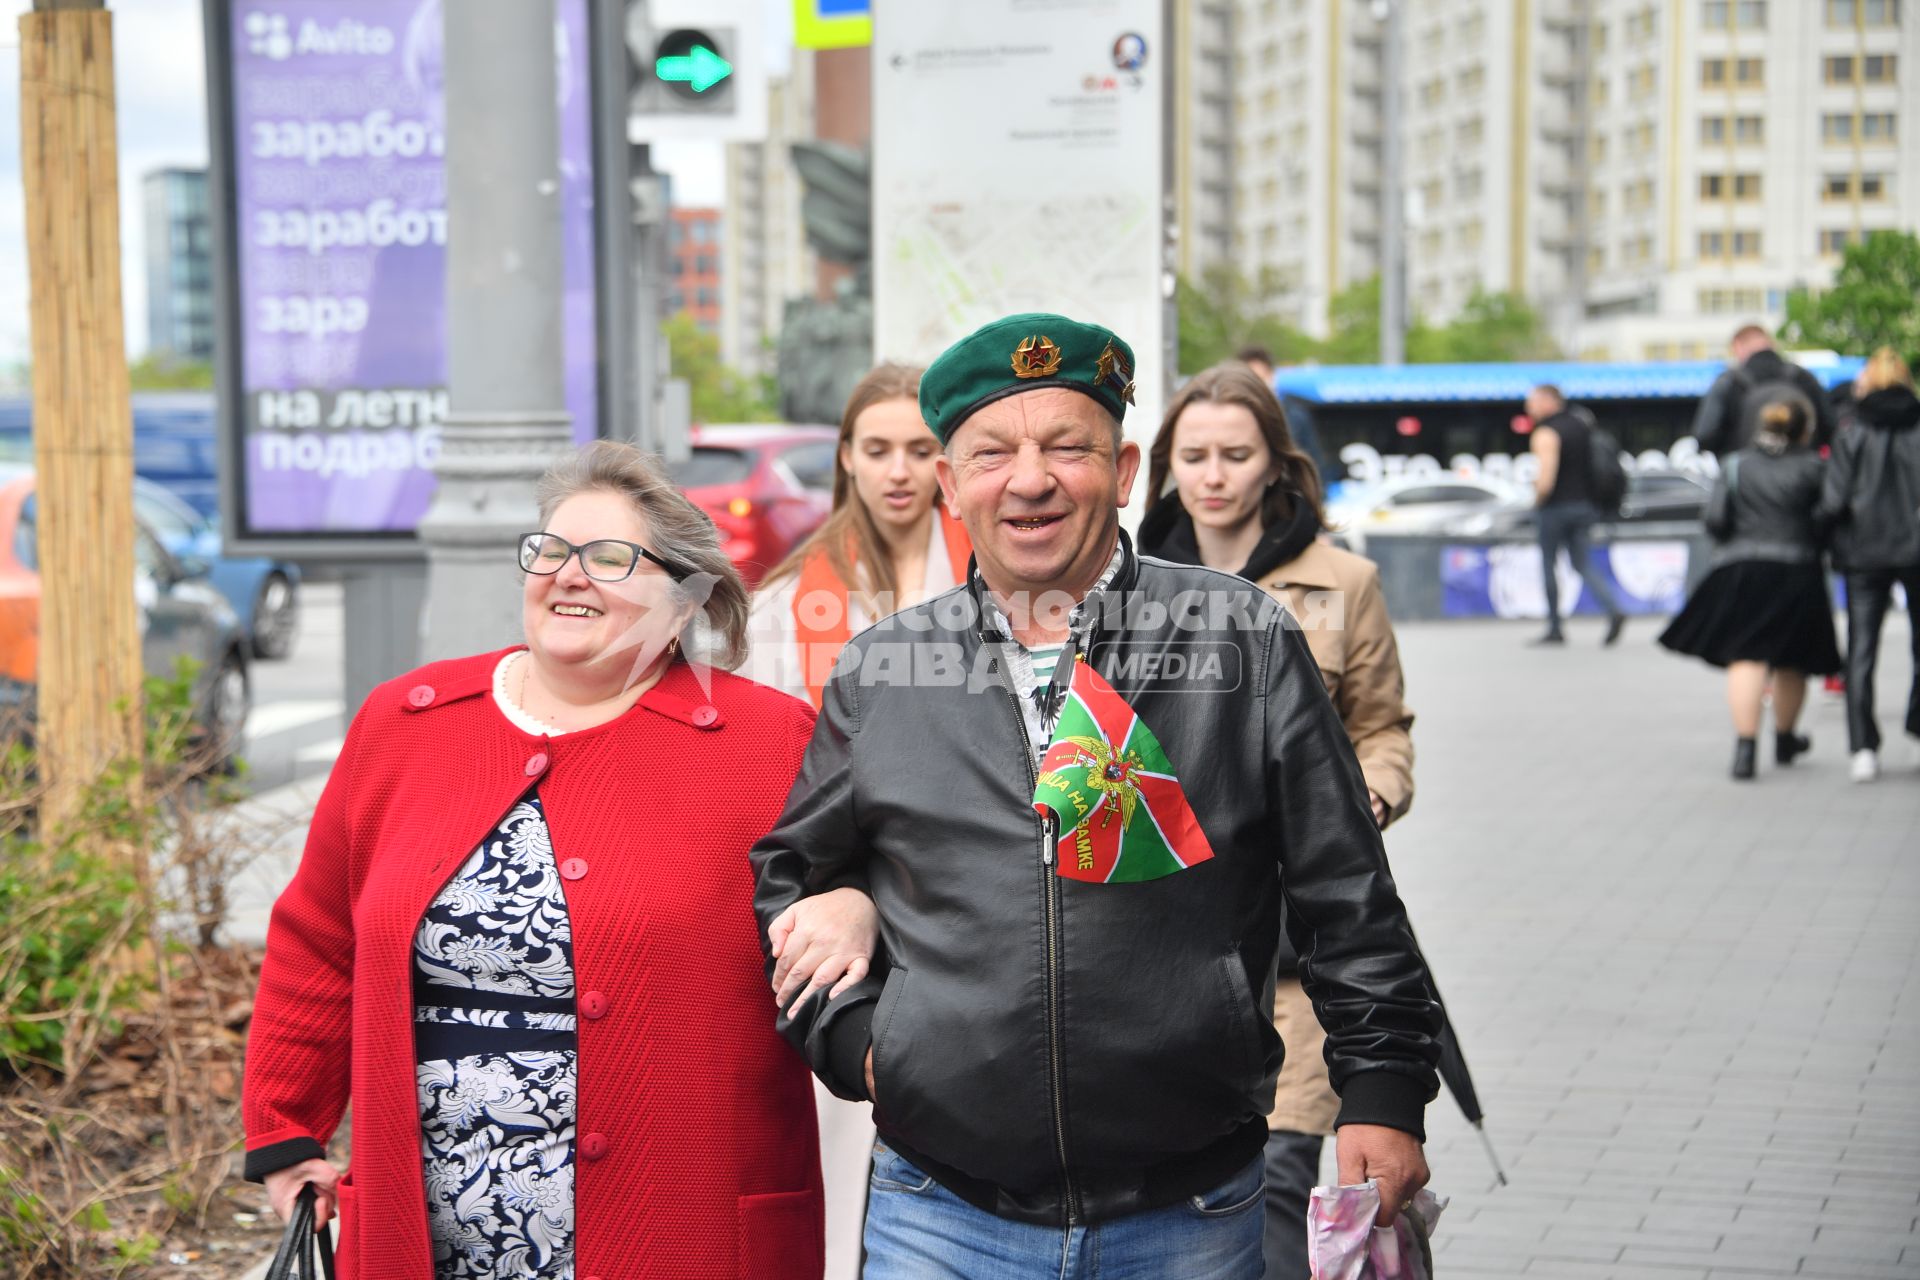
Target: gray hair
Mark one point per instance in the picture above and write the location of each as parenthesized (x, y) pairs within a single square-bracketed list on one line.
[(680, 531)]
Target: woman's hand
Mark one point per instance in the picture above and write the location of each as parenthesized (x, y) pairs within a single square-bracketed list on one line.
[(283, 1188), (1379, 808), (828, 938)]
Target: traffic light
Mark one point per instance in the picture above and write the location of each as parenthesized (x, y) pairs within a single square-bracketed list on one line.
[(698, 70)]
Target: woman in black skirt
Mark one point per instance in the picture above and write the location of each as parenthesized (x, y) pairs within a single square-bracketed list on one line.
[(1764, 609)]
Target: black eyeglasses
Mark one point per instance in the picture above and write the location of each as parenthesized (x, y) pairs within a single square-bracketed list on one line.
[(603, 560)]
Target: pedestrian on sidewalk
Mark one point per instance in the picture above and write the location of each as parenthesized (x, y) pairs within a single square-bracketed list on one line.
[(520, 945), (1245, 500), (1565, 494), (1763, 612), (1873, 495), (1079, 887), (889, 543), (1725, 421)]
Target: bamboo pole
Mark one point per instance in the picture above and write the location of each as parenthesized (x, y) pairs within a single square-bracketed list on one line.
[(89, 675)]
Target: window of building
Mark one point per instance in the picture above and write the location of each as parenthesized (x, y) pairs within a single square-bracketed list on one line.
[(1750, 73), (1597, 148), (1877, 126), (1471, 132), (1880, 13), (1838, 70), (1471, 235), (1750, 131), (1639, 195), (1713, 72), (1640, 138), (1431, 244), (1878, 68), (1638, 250), (1596, 205), (1713, 130), (1750, 15), (1596, 260), (1473, 80), (1836, 126), (1643, 24), (1746, 186), (1432, 193), (1433, 92), (1466, 186), (1873, 186), (1834, 242), (1602, 91), (1842, 13), (1731, 301), (1599, 37), (1716, 15), (1642, 84), (1713, 186), (1746, 244), (1836, 186), (1713, 244), (1473, 29)]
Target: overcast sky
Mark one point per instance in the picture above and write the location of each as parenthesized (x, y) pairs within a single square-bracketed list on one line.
[(160, 79)]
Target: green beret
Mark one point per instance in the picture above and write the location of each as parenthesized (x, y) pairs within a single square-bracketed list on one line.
[(1024, 353)]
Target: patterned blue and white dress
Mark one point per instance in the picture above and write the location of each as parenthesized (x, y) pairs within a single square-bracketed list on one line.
[(494, 1035)]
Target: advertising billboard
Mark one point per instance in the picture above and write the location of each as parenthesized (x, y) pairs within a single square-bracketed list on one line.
[(329, 130), (1043, 185)]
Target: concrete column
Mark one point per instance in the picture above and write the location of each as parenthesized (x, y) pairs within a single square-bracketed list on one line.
[(507, 414)]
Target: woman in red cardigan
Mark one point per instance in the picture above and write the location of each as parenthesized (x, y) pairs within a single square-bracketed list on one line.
[(521, 940)]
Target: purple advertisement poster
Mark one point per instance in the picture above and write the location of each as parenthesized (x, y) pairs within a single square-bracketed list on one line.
[(340, 219)]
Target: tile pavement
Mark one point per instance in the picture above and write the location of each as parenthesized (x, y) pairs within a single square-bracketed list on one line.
[(1691, 1006)]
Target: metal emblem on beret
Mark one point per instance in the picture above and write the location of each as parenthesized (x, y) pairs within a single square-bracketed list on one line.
[(1037, 357), (1114, 372)]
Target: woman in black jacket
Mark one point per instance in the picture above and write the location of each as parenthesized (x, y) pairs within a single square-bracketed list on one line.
[(1873, 495), (1764, 608)]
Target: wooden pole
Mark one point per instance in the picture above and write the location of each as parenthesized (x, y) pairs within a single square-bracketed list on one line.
[(89, 676)]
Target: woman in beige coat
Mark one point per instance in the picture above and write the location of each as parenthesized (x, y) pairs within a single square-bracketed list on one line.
[(1227, 488)]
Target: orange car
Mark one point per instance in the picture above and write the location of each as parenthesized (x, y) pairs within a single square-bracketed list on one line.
[(181, 615)]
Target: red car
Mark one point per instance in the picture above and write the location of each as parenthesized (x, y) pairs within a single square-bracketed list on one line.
[(766, 486)]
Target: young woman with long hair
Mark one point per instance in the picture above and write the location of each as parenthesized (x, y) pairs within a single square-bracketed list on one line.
[(888, 543)]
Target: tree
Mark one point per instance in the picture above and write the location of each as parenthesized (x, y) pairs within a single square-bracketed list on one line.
[(1874, 301), (163, 373), (1490, 327), (1353, 324), (1226, 310), (720, 393)]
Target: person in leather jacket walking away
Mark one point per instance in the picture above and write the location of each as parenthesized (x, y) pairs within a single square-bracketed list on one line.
[(1764, 609), (1873, 492), (1069, 784)]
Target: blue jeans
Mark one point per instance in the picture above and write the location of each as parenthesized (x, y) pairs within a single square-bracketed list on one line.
[(1569, 527), (918, 1230)]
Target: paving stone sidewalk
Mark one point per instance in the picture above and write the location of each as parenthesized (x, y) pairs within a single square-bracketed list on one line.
[(1690, 1005)]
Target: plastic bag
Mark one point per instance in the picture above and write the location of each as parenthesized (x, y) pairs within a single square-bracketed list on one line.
[(1343, 1243)]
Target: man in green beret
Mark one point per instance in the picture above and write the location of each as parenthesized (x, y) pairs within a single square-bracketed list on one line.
[(1078, 788)]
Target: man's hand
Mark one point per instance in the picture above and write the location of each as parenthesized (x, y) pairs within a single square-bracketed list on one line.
[(871, 1091), (818, 940), (1393, 1160), (283, 1188)]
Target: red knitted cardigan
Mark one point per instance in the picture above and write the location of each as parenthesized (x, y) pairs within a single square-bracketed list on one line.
[(696, 1151)]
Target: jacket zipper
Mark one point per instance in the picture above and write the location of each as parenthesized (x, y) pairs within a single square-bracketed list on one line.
[(1050, 890)]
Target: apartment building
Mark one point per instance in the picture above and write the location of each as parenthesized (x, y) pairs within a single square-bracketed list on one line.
[(1648, 174), (695, 260), (765, 244)]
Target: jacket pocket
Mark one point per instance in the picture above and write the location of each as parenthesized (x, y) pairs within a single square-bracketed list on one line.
[(783, 1236), (1243, 1013), (346, 1230), (883, 1013)]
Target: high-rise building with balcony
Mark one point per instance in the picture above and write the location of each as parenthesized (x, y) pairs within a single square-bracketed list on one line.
[(179, 253)]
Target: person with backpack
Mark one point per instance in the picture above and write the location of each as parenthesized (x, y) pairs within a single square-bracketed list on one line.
[(1873, 496), (1763, 612), (1569, 491), (1724, 423)]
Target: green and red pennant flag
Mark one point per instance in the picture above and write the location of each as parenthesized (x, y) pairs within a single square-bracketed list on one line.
[(1121, 811)]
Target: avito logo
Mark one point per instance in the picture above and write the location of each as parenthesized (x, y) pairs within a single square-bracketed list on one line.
[(270, 35)]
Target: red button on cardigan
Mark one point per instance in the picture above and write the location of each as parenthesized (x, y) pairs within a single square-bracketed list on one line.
[(593, 1005), (536, 764), (421, 695), (574, 869), (594, 1146)]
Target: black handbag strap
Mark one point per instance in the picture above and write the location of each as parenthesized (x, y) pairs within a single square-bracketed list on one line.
[(304, 1254)]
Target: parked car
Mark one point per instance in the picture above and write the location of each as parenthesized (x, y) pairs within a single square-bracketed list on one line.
[(176, 494), (181, 614), (1664, 496), (1419, 504), (766, 487)]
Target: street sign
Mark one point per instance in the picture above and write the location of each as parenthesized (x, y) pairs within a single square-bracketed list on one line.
[(698, 71), (832, 24)]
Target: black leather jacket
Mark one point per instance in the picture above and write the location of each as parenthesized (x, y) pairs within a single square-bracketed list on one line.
[(1767, 507), (1873, 484), (1064, 1052)]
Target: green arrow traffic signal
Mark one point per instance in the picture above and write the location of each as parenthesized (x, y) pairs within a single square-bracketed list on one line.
[(700, 68)]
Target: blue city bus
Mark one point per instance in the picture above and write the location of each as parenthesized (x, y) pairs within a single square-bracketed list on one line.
[(1449, 410)]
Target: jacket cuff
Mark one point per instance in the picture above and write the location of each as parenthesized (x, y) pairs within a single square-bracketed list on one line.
[(848, 1039), (1384, 1098), (276, 1156)]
